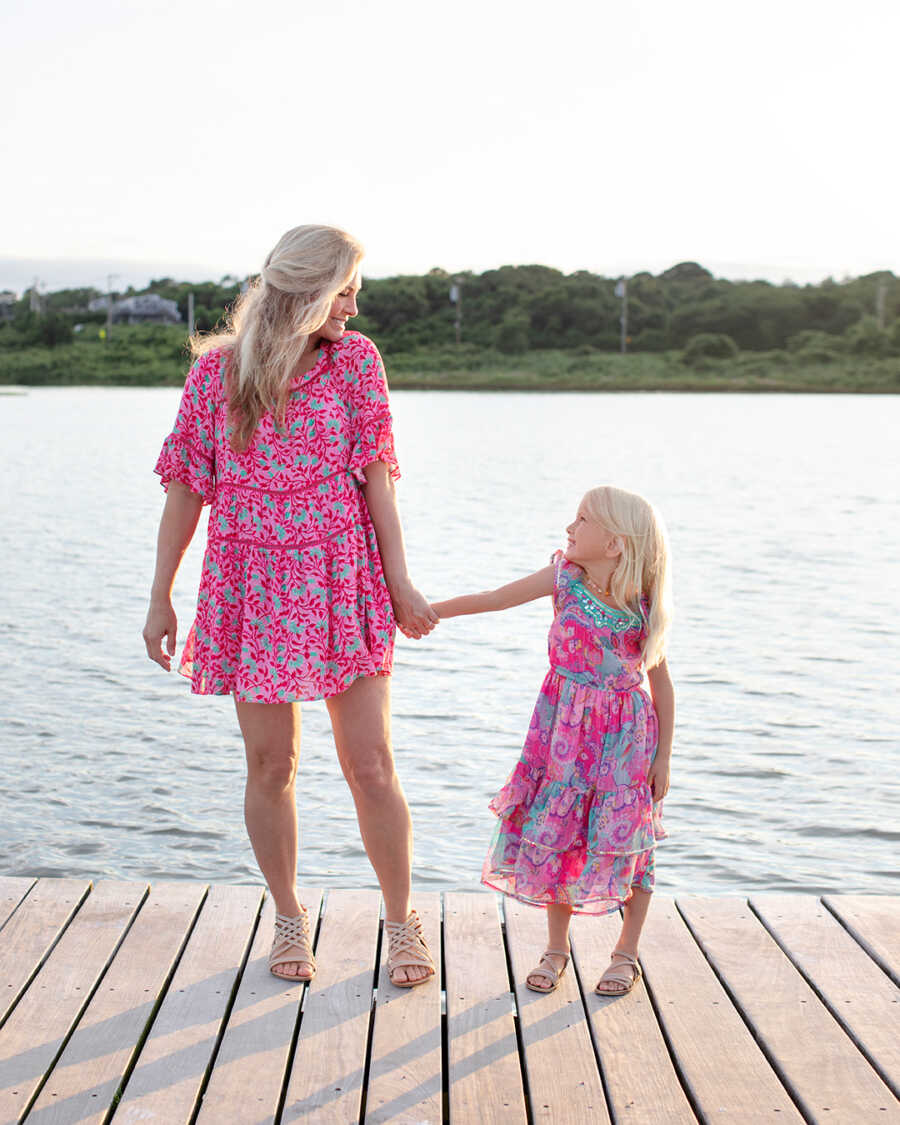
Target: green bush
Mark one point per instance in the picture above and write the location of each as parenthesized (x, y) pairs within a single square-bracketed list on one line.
[(866, 338), (709, 345), (812, 346)]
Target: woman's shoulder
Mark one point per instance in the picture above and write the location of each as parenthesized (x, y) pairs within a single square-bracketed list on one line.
[(356, 349), (207, 373)]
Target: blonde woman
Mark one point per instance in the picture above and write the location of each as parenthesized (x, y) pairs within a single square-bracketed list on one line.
[(284, 429), (580, 814)]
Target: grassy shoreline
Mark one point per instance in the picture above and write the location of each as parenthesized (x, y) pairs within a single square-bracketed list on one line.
[(154, 356)]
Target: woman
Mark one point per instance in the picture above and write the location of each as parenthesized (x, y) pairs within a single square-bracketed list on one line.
[(284, 428)]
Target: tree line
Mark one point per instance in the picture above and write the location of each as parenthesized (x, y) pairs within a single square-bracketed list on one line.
[(516, 309)]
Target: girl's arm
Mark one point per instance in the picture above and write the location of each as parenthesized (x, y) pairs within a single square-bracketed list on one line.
[(176, 529), (662, 691), (537, 585), (414, 615)]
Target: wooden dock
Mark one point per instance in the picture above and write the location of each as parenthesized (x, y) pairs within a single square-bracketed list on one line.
[(130, 1003)]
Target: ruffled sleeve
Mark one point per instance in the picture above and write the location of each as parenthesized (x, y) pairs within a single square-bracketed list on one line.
[(564, 572), (189, 452), (372, 435)]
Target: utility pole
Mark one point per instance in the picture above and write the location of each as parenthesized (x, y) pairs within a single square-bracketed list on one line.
[(456, 299), (34, 297), (880, 296), (622, 291), (109, 303), (190, 314)]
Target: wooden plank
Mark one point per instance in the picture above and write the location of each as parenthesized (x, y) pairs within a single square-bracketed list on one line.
[(822, 1068), (563, 1079), (246, 1084), (31, 932), (720, 1065), (405, 1073), (326, 1081), (874, 920), (166, 1082), (84, 1081), (855, 989), (35, 1031), (485, 1074), (641, 1082), (12, 890)]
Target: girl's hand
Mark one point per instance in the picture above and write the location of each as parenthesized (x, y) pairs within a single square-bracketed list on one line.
[(658, 777), (415, 617), (161, 622)]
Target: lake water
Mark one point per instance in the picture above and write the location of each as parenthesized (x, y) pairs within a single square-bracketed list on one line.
[(784, 516)]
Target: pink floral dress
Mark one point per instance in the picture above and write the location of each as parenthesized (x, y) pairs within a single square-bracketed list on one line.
[(577, 824), (293, 603)]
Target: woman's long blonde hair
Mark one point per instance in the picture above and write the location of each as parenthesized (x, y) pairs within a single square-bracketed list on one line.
[(642, 570), (267, 330)]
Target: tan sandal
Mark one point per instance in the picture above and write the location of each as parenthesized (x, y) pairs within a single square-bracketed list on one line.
[(406, 948), (626, 972), (546, 968), (291, 945)]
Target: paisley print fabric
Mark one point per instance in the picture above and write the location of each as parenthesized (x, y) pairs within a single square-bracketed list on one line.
[(293, 603), (576, 819)]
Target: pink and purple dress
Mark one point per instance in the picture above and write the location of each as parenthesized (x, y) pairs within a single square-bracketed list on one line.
[(293, 603), (577, 823)]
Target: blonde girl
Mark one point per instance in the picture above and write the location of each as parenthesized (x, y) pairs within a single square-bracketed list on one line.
[(284, 429), (580, 815)]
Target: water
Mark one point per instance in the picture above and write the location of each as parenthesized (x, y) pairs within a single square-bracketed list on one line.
[(784, 516)]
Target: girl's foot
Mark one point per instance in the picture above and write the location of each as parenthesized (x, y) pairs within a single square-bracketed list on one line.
[(551, 967), (621, 976), (292, 956)]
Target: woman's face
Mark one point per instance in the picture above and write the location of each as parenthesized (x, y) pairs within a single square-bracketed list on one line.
[(342, 308)]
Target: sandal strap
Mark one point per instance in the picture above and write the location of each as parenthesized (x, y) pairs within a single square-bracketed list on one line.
[(627, 972), (546, 968), (292, 942), (406, 944)]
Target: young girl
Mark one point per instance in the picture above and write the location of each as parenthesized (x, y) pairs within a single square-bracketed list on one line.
[(580, 814)]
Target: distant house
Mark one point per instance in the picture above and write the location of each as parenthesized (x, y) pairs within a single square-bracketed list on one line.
[(7, 304), (148, 308)]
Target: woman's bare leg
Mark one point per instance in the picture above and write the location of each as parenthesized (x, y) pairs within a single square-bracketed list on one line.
[(272, 742), (361, 721)]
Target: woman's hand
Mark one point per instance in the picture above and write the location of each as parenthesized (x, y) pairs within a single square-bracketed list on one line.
[(415, 617), (658, 776), (161, 623)]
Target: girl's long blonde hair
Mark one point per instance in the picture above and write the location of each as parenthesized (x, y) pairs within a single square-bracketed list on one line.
[(642, 570), (267, 330)]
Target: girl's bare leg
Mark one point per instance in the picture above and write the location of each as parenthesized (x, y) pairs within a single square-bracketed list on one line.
[(272, 742), (361, 721), (558, 918), (635, 914)]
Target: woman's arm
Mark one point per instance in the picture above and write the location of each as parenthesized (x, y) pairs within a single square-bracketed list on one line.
[(662, 691), (415, 617), (537, 585), (176, 529)]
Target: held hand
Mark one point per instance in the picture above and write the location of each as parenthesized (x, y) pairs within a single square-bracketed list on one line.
[(161, 623), (415, 617), (658, 777)]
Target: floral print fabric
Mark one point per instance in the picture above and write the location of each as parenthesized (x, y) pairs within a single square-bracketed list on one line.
[(293, 603), (577, 824)]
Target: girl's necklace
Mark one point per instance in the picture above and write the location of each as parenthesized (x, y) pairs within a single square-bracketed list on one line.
[(596, 587)]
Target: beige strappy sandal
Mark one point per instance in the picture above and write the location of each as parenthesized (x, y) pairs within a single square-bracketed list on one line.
[(546, 968), (406, 948), (626, 972), (291, 945)]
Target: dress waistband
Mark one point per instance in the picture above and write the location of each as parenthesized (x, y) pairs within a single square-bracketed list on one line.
[(590, 681)]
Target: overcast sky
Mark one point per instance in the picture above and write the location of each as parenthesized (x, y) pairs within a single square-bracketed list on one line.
[(176, 137)]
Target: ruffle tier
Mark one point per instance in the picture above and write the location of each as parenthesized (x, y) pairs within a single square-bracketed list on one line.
[(558, 843)]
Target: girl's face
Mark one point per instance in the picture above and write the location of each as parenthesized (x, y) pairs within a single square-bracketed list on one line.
[(342, 308), (590, 544)]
